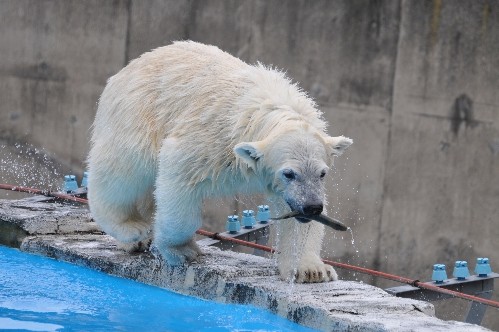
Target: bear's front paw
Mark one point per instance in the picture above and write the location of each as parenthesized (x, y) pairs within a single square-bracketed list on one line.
[(315, 272), (139, 246), (178, 255)]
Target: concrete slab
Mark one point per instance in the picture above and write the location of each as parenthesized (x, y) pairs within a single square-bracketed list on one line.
[(42, 215), (222, 276)]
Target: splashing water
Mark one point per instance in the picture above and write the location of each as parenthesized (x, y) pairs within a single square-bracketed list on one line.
[(25, 165), (353, 240), (295, 262)]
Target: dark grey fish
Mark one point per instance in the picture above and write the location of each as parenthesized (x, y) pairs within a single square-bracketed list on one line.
[(323, 219)]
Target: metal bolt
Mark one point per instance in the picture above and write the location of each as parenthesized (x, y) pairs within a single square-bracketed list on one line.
[(70, 184), (263, 214), (461, 271), (439, 274), (482, 267), (248, 220), (233, 226)]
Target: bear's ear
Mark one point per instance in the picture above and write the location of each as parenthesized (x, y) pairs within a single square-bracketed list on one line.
[(249, 152), (338, 145)]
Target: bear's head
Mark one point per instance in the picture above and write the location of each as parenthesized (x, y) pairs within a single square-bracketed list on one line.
[(293, 164)]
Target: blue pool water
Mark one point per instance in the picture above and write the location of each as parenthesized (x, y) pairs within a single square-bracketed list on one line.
[(41, 294)]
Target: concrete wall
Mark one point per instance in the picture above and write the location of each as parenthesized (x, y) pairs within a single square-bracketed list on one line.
[(55, 57), (414, 83)]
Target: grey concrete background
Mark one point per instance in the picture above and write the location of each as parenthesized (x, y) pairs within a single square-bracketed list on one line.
[(414, 83)]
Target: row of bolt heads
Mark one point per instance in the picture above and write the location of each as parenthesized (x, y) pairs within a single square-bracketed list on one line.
[(461, 272), (248, 220)]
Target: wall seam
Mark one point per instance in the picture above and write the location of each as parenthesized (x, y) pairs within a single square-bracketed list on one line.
[(127, 35), (377, 257)]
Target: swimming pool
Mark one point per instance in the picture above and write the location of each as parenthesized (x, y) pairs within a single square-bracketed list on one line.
[(41, 294)]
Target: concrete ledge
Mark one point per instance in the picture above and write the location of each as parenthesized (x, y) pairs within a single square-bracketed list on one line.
[(44, 215), (223, 276)]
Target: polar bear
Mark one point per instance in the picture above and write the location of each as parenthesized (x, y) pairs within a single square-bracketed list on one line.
[(188, 121)]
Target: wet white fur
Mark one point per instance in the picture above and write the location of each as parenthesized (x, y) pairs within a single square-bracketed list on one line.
[(187, 121)]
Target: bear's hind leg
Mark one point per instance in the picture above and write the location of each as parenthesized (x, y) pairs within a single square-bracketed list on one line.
[(126, 225), (145, 209), (121, 213)]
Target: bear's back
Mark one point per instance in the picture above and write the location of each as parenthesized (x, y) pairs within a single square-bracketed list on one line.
[(160, 93), (198, 94)]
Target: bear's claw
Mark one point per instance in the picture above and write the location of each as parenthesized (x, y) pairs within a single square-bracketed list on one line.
[(315, 273)]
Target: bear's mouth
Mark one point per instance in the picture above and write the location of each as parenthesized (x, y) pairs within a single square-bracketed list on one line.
[(323, 219)]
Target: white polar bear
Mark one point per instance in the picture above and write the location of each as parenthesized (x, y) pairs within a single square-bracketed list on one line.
[(188, 121)]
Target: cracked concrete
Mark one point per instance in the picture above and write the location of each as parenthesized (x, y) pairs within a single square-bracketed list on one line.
[(67, 233)]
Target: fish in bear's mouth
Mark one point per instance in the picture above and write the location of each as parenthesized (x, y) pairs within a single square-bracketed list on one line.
[(323, 219)]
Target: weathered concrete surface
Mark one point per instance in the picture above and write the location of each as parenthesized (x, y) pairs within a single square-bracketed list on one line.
[(442, 173), (222, 276), (40, 216)]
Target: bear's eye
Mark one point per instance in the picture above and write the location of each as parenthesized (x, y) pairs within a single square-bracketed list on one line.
[(289, 174), (323, 174)]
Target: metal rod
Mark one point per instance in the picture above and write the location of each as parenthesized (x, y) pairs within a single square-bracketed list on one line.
[(44, 193)]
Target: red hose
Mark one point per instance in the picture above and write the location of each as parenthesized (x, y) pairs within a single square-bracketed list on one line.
[(393, 277), (217, 236)]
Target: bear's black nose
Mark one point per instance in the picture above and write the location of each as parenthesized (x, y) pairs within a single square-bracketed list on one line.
[(313, 209)]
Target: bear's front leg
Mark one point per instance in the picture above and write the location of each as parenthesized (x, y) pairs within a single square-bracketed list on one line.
[(299, 247), (178, 216), (312, 269), (178, 208)]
